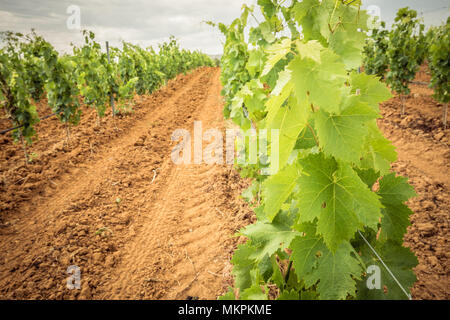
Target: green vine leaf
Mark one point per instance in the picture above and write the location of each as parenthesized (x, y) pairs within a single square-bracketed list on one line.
[(268, 238), (400, 261), (394, 192), (310, 78), (343, 134), (277, 188), (333, 194)]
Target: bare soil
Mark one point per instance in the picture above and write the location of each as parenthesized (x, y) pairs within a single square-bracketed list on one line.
[(424, 154), (111, 201)]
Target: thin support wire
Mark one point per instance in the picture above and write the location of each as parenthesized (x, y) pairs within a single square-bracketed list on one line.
[(387, 268)]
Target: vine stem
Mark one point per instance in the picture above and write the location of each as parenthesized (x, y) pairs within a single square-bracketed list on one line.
[(68, 133), (253, 15), (332, 14), (111, 95), (314, 134), (332, 30), (259, 194), (288, 272), (114, 121)]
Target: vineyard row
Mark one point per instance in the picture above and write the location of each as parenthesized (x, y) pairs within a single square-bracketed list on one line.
[(31, 69)]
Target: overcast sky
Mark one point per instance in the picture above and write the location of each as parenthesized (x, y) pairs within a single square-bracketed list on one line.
[(150, 22)]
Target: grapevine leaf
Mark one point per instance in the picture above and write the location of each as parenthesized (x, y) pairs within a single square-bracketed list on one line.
[(309, 295), (305, 250), (379, 151), (335, 273), (242, 265), (313, 18), (255, 62), (253, 293), (345, 40), (268, 7), (276, 52), (249, 194), (277, 276), (267, 32), (306, 138), (371, 90), (265, 267), (289, 295), (348, 47), (268, 238), (314, 79), (400, 261), (237, 113), (394, 191), (279, 95), (314, 262), (290, 121), (277, 189), (342, 135), (254, 98), (310, 49), (368, 176), (336, 196), (395, 222)]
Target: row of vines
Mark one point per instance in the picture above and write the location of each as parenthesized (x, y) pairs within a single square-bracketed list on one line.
[(397, 54), (333, 217), (31, 69)]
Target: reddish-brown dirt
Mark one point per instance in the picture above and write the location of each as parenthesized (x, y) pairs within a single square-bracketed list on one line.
[(111, 201), (424, 154)]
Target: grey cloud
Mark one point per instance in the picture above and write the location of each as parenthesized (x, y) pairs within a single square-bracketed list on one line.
[(149, 22)]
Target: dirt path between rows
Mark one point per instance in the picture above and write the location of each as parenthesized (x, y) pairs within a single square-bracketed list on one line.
[(183, 247), (137, 225)]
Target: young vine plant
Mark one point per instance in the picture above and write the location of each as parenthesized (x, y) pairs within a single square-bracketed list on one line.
[(405, 52), (439, 62), (233, 63), (97, 78), (375, 59), (334, 192), (21, 80)]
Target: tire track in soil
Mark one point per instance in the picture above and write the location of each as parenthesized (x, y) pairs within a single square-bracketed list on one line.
[(126, 248), (183, 250)]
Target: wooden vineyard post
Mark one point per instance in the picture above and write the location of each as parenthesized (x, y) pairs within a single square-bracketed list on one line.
[(111, 94)]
